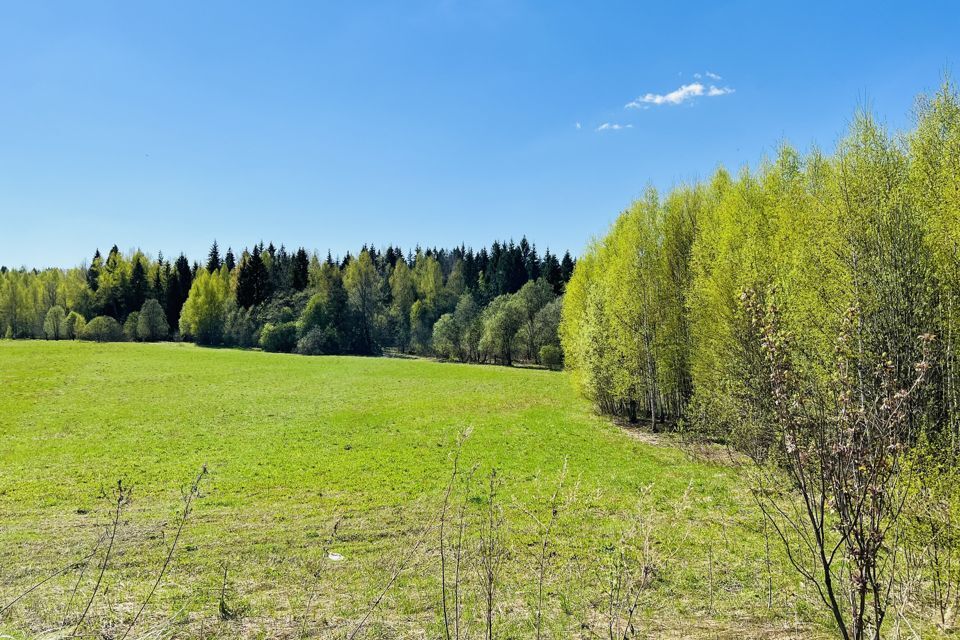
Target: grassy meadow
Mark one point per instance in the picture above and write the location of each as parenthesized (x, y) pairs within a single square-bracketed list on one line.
[(313, 456)]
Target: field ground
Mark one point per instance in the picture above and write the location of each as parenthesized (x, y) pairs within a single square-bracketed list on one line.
[(295, 445)]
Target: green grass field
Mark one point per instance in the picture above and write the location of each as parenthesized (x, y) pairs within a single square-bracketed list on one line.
[(295, 445)]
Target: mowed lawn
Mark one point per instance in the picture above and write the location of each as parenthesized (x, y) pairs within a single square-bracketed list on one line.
[(313, 455)]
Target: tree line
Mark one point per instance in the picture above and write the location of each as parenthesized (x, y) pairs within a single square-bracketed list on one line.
[(806, 314), (498, 305)]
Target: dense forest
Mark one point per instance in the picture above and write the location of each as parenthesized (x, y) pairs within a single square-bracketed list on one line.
[(499, 305), (805, 314)]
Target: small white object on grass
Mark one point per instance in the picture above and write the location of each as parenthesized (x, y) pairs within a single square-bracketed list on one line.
[(336, 557)]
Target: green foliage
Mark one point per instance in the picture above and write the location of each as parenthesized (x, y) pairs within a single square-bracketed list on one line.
[(551, 356), (653, 320), (240, 328), (130, 326), (446, 337), (204, 313), (403, 293), (501, 320), (152, 323), (54, 324), (74, 325), (532, 298), (469, 327), (365, 303), (327, 313), (279, 338), (319, 341), (363, 285), (103, 329)]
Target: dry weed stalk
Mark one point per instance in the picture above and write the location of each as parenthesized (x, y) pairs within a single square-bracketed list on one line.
[(122, 498), (188, 498)]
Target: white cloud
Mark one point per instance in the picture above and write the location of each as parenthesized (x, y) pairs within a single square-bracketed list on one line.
[(719, 91), (613, 126), (678, 96), (685, 92), (578, 125), (713, 76)]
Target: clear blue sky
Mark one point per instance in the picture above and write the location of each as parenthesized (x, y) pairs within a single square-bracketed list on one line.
[(331, 125)]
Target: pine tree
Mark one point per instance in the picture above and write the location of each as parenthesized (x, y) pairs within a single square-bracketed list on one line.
[(229, 260)]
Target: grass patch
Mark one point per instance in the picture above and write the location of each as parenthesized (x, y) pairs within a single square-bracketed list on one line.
[(296, 445)]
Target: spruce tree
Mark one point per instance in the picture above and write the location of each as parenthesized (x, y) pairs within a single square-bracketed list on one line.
[(253, 281), (156, 287), (137, 291), (229, 260), (245, 290), (213, 258), (551, 271), (300, 270), (178, 288), (93, 273), (566, 267), (532, 264)]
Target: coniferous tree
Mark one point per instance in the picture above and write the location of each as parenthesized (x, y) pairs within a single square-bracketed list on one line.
[(513, 268), (532, 263), (213, 258), (178, 288), (93, 272), (279, 268), (300, 270), (229, 260), (157, 289), (253, 281), (566, 267), (139, 286), (551, 271)]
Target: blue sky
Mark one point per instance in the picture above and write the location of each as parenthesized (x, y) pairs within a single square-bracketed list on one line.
[(329, 125)]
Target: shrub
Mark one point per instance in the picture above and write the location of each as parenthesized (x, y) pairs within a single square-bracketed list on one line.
[(130, 326), (54, 324), (279, 338), (240, 329), (73, 327), (319, 341), (446, 337), (103, 329), (551, 356), (152, 324)]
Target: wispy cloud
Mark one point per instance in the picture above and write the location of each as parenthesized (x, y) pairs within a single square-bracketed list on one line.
[(718, 91), (613, 126), (679, 96), (578, 125), (713, 76)]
